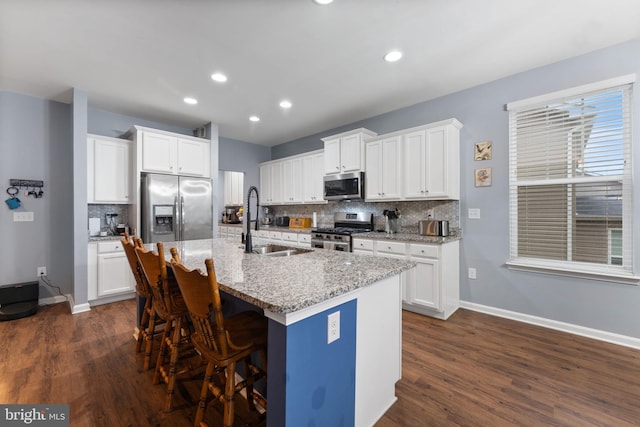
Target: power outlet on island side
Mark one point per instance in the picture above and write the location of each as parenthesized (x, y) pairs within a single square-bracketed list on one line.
[(333, 327)]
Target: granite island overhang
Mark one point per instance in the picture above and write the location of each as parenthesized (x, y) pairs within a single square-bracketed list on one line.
[(349, 381)]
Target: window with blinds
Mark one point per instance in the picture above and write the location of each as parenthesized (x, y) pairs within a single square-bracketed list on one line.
[(570, 180)]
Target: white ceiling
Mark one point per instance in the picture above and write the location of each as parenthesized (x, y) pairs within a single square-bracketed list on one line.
[(142, 58)]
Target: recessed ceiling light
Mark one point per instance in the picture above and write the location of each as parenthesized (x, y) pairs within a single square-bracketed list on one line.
[(190, 101), (393, 56), (219, 77), (322, 2), (254, 118), (285, 104)]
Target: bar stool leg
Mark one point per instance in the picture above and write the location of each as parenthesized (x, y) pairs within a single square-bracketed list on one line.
[(171, 378)]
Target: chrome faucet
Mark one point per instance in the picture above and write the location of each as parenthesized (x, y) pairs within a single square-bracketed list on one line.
[(248, 247)]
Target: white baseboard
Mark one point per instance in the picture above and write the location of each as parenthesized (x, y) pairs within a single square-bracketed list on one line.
[(78, 308), (53, 300), (554, 324)]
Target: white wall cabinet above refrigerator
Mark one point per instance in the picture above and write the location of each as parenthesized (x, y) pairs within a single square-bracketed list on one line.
[(108, 170), (163, 152), (344, 152)]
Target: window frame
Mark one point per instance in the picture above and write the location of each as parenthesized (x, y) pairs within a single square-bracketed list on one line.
[(591, 270)]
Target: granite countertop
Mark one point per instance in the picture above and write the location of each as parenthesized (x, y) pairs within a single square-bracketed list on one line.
[(270, 228), (408, 237), (286, 284)]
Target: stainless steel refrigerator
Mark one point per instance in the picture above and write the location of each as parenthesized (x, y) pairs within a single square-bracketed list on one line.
[(175, 208)]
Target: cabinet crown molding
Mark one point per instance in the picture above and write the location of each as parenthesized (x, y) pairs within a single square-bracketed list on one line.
[(364, 131)]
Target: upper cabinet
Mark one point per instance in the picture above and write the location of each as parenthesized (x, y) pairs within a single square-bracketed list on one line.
[(271, 183), (292, 180), (345, 152), (432, 161), (108, 170), (312, 178), (173, 154), (384, 164), (233, 188)]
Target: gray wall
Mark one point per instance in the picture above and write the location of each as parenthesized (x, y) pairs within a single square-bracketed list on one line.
[(36, 143), (244, 157), (106, 123), (39, 139), (600, 305)]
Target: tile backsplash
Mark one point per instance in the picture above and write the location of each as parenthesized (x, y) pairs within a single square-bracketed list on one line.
[(410, 212), (101, 211)]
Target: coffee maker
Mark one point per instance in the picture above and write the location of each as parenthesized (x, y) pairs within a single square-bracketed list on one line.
[(231, 214)]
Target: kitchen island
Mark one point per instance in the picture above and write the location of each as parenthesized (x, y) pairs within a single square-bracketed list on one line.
[(349, 381)]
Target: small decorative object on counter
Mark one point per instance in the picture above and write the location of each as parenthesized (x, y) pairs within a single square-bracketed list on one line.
[(391, 220)]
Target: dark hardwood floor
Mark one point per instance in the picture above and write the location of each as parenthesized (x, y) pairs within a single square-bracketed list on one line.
[(471, 370)]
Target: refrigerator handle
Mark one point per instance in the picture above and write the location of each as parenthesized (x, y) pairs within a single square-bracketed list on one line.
[(178, 219), (181, 217)]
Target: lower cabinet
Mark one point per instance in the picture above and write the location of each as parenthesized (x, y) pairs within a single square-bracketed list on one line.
[(110, 276), (230, 231), (433, 287), (267, 236)]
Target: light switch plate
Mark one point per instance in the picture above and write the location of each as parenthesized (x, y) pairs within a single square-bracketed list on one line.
[(23, 217), (474, 213)]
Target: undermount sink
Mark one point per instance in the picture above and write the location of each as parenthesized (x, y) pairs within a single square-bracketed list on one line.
[(278, 250)]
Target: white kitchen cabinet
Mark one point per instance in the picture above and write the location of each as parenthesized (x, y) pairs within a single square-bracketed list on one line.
[(432, 161), (364, 246), (108, 170), (174, 154), (271, 192), (304, 239), (383, 159), (433, 287), (292, 180), (289, 237), (233, 188), (109, 274), (229, 231), (312, 178), (344, 152)]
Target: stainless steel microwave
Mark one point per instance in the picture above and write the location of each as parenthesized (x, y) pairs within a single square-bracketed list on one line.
[(346, 186)]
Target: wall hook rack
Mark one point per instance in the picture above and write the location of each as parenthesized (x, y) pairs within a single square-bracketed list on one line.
[(32, 187)]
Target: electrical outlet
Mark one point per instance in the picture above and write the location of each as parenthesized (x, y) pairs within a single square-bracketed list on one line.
[(472, 273), (42, 271), (333, 327), (431, 213)]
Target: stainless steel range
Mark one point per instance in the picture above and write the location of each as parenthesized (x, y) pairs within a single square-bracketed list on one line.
[(338, 237)]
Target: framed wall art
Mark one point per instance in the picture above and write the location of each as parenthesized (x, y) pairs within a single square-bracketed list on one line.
[(483, 177), (482, 151)]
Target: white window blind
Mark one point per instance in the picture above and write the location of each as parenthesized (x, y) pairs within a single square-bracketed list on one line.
[(570, 180)]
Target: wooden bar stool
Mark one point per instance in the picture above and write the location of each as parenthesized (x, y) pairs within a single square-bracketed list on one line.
[(169, 306), (147, 327), (222, 342)]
